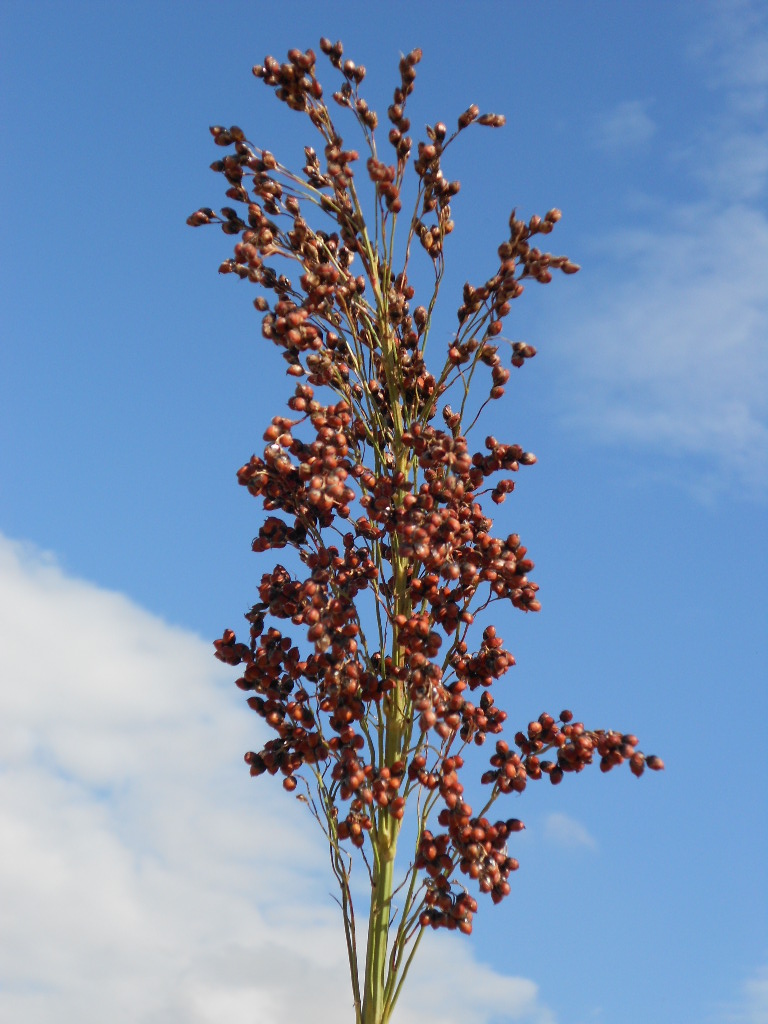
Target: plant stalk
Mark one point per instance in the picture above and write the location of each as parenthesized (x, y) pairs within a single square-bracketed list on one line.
[(378, 924)]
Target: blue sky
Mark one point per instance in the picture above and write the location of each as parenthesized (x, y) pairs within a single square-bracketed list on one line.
[(143, 875)]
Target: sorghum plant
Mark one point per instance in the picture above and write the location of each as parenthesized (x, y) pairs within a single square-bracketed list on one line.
[(375, 706)]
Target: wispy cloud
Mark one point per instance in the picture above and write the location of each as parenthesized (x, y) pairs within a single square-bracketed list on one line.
[(670, 348), (731, 47), (732, 43), (566, 831), (143, 875), (675, 358), (627, 126), (752, 1005)]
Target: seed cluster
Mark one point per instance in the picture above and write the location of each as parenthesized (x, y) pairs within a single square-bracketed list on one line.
[(480, 848), (384, 509)]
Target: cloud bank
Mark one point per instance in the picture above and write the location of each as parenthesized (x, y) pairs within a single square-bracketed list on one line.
[(144, 877)]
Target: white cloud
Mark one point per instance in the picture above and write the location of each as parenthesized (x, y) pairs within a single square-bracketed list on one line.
[(627, 126), (481, 994), (144, 877), (566, 831)]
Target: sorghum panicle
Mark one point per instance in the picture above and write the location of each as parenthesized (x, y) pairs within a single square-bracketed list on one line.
[(370, 476)]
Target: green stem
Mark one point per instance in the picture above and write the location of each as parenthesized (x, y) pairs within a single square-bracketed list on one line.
[(379, 921), (392, 999)]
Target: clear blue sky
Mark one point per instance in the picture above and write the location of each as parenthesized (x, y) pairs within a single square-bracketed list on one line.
[(146, 878)]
